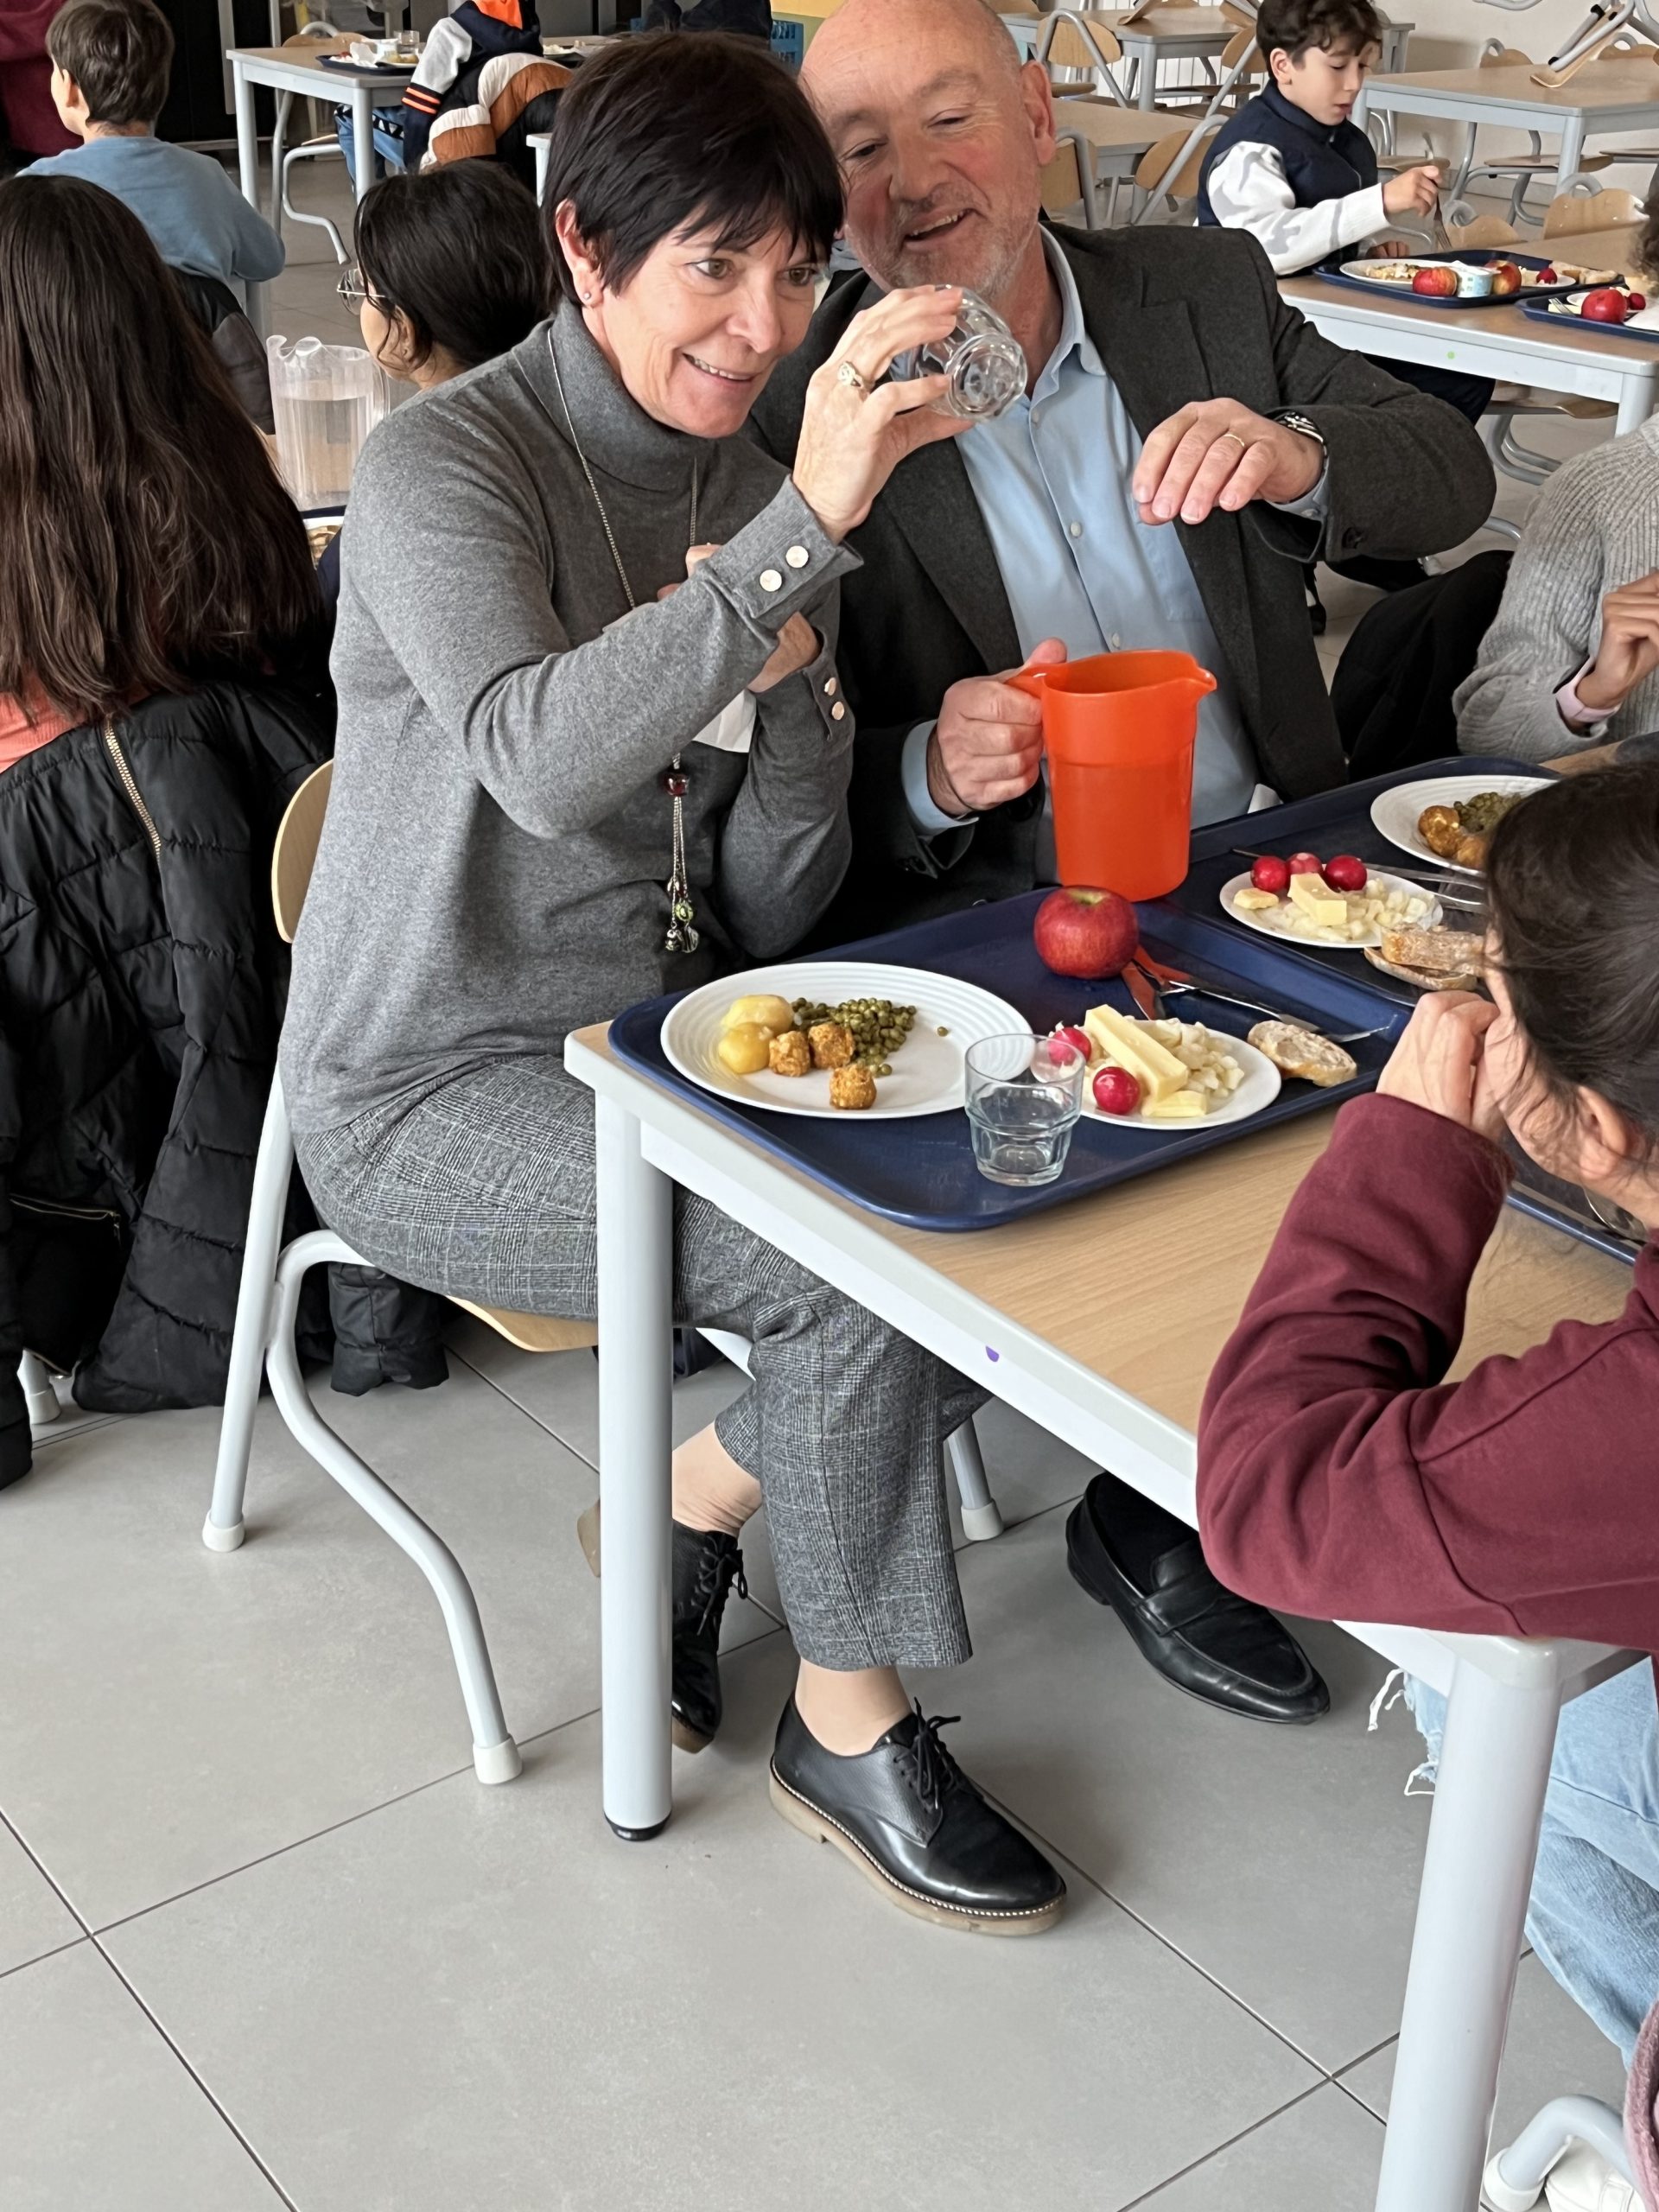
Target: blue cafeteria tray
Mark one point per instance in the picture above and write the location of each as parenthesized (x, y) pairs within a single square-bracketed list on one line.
[(921, 1172), (1332, 821), (1478, 258), (1541, 313)]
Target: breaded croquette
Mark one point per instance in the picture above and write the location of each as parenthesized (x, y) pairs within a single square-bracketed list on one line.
[(852, 1088), (790, 1054), (832, 1044)]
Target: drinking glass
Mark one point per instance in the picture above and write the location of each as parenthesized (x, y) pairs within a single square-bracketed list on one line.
[(981, 357), (1023, 1095)]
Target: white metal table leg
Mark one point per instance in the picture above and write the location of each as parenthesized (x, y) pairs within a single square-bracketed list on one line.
[(981, 1518), (1572, 153), (363, 135), (636, 1375), (223, 1529), (1471, 1908)]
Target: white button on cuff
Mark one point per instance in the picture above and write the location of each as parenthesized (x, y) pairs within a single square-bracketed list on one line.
[(831, 687), (797, 556), (770, 580), (837, 713)]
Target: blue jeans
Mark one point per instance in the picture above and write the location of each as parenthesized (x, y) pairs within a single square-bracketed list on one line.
[(1594, 1918)]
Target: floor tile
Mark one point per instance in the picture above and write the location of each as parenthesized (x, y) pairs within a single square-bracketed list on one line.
[(1322, 2155), (34, 1919), (1267, 1853), (1553, 2050), (171, 1713), (96, 2112), (473, 1992)]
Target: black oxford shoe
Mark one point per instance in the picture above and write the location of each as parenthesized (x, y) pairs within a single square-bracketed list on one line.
[(912, 1822), (1149, 1567), (706, 1567)]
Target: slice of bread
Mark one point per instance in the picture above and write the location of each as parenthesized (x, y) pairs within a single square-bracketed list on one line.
[(1437, 952), (1424, 979), (1304, 1053)]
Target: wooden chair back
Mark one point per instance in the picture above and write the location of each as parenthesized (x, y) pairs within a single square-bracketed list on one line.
[(1495, 55), (1570, 213), (1158, 171), (1067, 182), (292, 858), (1485, 230)]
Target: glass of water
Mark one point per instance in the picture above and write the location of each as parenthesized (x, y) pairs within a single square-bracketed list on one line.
[(981, 358), (1023, 1095)]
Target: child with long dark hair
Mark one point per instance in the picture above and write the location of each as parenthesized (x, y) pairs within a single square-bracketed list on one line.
[(147, 543), (1340, 1475)]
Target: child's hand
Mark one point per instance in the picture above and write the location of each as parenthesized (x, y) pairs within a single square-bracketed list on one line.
[(1394, 248), (1412, 192), (1437, 1063), (1629, 650)]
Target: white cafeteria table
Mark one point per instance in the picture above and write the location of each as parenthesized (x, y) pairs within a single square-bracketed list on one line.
[(1622, 94), (298, 69), (1595, 361), (1118, 1375)]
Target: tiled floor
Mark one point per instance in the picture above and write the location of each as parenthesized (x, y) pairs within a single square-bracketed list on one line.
[(265, 1941)]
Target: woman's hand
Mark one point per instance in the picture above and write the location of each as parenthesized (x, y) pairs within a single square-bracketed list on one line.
[(1439, 1062), (797, 648), (1629, 650), (853, 435)]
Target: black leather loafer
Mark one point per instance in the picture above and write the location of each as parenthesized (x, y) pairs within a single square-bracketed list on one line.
[(1149, 1567), (707, 1567), (912, 1822)]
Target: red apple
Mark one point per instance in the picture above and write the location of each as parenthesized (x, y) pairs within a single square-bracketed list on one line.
[(1437, 281), (1271, 874), (1116, 1091), (1604, 305), (1084, 933), (1506, 279), (1306, 864), (1344, 872)]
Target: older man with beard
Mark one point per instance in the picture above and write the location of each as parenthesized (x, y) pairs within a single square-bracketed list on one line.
[(1187, 443)]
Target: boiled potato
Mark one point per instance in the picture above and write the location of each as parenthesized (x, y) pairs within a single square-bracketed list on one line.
[(745, 1047), (766, 1011)]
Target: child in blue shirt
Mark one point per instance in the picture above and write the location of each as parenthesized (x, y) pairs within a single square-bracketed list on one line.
[(111, 63)]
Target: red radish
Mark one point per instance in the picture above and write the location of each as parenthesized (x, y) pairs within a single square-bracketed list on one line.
[(1547, 277), (1271, 874), (1087, 933), (1639, 301), (1344, 872), (1306, 864), (1066, 1034), (1116, 1091)]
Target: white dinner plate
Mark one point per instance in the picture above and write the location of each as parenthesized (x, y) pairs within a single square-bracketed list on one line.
[(1253, 919), (1394, 812), (1259, 1088), (926, 1075)]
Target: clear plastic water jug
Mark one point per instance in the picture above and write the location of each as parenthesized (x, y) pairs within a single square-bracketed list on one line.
[(326, 399)]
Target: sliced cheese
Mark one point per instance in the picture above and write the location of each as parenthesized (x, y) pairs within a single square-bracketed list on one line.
[(1328, 908), (1127, 1045), (1180, 1106)]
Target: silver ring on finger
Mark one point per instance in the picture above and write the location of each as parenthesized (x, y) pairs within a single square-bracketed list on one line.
[(849, 374)]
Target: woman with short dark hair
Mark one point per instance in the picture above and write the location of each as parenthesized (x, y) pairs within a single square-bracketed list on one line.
[(450, 270), (558, 574)]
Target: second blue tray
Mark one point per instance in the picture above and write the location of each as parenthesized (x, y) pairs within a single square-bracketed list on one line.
[(921, 1172)]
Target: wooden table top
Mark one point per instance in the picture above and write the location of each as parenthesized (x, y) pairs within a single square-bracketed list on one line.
[(1171, 22), (1609, 249), (1624, 83), (1116, 129)]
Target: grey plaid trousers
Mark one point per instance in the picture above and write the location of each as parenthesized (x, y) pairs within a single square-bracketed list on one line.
[(483, 1186)]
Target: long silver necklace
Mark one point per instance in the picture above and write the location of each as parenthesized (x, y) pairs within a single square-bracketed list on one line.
[(680, 936)]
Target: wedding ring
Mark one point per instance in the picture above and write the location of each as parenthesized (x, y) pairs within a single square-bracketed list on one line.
[(1241, 443), (848, 374)]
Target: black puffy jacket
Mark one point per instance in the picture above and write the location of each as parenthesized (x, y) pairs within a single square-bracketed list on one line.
[(142, 986)]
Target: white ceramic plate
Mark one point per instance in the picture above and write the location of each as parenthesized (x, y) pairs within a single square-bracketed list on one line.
[(926, 1075), (1259, 1088), (1394, 812), (1253, 920)]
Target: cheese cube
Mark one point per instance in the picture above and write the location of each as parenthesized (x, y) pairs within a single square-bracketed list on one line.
[(1323, 906), (1180, 1106), (1127, 1045)]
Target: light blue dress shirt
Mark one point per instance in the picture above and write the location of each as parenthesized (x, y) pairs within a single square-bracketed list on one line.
[(1052, 476)]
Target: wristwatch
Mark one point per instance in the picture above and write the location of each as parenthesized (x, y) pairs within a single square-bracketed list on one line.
[(1299, 423)]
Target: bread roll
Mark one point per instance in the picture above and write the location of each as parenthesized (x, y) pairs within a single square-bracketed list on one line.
[(1304, 1054)]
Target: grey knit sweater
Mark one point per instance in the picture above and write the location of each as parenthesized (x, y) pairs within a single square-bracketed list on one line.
[(497, 836), (1595, 526)]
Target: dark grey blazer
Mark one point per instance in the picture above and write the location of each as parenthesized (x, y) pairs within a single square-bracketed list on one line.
[(1178, 315)]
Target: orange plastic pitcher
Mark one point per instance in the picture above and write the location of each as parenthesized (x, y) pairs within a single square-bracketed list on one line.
[(1119, 730)]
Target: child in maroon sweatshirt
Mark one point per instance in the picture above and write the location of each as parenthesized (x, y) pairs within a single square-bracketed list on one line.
[(1339, 1475)]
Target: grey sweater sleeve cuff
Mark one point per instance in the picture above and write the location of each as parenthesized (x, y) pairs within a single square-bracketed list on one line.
[(779, 564)]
